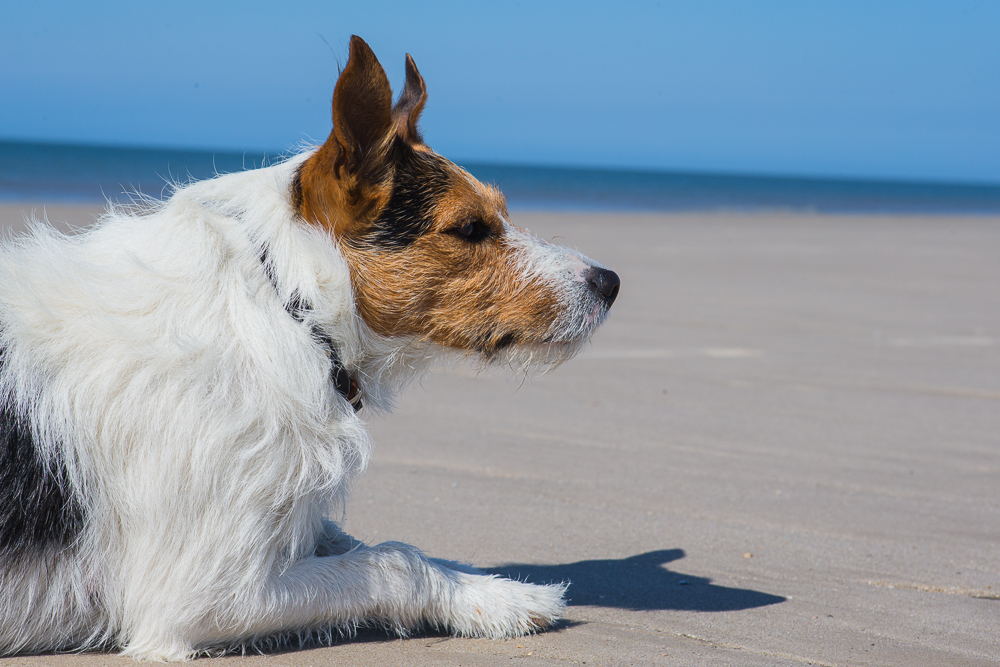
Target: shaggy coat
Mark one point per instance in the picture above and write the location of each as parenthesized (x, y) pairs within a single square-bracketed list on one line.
[(172, 430)]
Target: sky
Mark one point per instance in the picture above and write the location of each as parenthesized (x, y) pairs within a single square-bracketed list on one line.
[(863, 89)]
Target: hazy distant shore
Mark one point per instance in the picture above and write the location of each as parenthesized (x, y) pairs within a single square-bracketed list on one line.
[(71, 173)]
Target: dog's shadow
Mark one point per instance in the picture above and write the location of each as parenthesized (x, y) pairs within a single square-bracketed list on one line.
[(638, 583)]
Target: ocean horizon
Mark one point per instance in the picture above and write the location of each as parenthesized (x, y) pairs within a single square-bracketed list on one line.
[(90, 173)]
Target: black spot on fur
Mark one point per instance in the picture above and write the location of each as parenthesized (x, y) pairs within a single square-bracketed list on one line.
[(37, 508), (420, 180), (298, 307), (265, 261), (296, 189)]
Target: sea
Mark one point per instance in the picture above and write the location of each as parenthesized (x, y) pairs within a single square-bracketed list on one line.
[(77, 173)]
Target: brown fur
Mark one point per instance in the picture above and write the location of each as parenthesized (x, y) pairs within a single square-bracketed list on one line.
[(440, 286)]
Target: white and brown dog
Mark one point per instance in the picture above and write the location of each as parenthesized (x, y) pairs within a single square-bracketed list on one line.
[(178, 390)]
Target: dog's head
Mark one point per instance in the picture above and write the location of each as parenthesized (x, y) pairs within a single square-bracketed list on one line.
[(431, 251)]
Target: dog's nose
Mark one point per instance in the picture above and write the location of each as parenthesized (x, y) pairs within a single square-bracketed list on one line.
[(605, 283)]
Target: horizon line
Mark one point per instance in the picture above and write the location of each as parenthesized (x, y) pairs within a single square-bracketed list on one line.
[(666, 171)]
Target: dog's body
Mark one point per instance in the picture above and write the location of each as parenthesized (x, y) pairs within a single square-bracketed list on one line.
[(172, 430)]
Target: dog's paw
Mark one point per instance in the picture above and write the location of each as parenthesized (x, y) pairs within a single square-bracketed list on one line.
[(494, 607)]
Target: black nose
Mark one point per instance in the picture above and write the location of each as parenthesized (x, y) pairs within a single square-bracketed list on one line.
[(605, 283)]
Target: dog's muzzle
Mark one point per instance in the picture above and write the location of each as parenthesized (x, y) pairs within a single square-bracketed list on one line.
[(604, 283)]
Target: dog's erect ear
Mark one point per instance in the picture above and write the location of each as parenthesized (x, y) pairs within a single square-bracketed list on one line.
[(411, 102), (344, 181), (362, 109)]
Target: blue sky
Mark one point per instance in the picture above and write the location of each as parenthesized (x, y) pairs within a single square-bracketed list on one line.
[(865, 89)]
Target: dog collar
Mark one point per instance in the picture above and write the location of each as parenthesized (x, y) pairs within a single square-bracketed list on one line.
[(346, 385), (342, 380)]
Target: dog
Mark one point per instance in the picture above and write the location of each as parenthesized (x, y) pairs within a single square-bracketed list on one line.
[(179, 388)]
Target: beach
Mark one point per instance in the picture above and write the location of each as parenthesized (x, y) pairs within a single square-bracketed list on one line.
[(783, 448)]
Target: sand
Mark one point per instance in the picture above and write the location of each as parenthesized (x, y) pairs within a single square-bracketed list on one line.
[(783, 448)]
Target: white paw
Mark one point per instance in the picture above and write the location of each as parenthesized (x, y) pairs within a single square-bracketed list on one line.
[(494, 607)]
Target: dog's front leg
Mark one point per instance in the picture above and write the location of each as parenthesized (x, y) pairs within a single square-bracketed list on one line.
[(395, 585), (333, 541)]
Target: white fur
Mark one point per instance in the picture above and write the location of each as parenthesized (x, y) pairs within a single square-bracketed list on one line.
[(198, 425), (564, 270)]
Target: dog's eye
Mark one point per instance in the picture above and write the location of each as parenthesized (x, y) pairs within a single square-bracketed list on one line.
[(472, 230)]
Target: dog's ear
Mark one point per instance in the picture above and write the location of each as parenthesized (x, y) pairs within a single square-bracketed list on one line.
[(362, 110), (345, 180), (411, 102)]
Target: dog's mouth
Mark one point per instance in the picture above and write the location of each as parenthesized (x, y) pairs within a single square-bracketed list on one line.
[(521, 355), (505, 341)]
